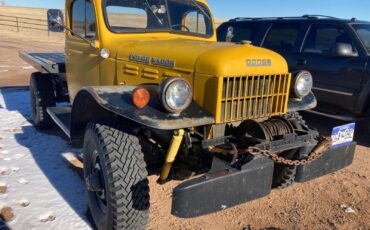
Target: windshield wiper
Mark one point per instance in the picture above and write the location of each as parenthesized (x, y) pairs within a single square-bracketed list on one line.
[(201, 9), (155, 15)]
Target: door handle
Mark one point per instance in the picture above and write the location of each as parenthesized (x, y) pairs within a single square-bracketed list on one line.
[(301, 62)]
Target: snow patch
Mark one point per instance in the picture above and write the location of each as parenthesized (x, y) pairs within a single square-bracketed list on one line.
[(49, 216), (3, 184), (27, 67), (52, 183), (15, 169), (24, 202), (4, 151), (18, 156), (7, 66), (3, 171), (23, 181)]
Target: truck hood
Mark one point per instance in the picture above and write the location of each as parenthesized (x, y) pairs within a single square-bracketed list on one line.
[(203, 57)]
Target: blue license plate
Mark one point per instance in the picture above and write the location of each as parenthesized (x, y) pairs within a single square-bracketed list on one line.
[(343, 135)]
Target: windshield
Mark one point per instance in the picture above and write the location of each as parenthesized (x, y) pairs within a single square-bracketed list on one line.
[(179, 16), (363, 31)]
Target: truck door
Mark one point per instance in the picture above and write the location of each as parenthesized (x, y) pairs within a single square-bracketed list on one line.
[(337, 79), (82, 60)]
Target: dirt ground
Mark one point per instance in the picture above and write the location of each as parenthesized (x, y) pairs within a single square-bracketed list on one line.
[(13, 70), (319, 204)]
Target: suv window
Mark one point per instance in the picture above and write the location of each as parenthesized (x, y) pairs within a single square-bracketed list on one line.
[(282, 37), (363, 31), (238, 32), (83, 18), (322, 39)]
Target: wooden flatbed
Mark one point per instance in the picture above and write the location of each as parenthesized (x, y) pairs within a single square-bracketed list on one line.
[(45, 62)]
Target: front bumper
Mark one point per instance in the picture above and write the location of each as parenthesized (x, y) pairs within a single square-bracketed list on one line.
[(224, 187), (332, 160)]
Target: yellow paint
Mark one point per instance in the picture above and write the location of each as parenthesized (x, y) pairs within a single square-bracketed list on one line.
[(171, 154), (200, 60)]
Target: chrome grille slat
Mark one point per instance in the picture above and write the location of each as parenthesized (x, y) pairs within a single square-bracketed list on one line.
[(252, 97)]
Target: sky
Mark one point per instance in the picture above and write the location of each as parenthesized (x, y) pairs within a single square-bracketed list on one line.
[(226, 9)]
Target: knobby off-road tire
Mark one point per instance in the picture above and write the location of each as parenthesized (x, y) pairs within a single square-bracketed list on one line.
[(123, 177), (42, 96), (284, 176)]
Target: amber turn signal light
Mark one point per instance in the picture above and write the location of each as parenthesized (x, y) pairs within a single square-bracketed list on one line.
[(140, 97)]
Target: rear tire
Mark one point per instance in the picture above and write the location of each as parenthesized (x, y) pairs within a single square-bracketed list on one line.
[(117, 161), (42, 96)]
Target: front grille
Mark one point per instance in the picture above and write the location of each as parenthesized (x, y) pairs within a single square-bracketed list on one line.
[(253, 97)]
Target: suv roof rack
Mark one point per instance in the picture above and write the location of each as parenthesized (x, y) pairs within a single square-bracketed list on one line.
[(318, 16), (306, 16)]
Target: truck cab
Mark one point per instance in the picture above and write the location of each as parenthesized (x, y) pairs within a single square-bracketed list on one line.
[(117, 27), (149, 91)]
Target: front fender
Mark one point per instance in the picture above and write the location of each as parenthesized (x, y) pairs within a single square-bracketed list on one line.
[(307, 103), (116, 100)]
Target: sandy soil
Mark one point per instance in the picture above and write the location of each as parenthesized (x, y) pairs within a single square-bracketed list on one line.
[(315, 205)]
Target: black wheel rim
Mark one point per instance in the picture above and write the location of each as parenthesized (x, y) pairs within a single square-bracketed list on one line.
[(100, 196), (33, 104)]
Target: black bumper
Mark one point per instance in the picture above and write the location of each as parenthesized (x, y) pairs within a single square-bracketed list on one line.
[(332, 160), (224, 187)]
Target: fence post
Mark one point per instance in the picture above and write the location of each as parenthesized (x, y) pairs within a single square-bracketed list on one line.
[(16, 19)]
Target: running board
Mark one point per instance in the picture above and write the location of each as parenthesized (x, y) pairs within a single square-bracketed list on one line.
[(61, 116), (337, 117)]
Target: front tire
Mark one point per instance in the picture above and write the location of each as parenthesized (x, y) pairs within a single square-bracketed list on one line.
[(42, 96), (116, 177)]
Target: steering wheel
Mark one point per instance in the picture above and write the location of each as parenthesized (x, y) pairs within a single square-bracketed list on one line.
[(181, 26)]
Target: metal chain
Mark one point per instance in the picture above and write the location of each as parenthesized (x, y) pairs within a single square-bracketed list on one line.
[(325, 144)]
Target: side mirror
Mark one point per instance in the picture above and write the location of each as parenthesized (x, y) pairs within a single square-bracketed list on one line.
[(345, 50), (55, 21)]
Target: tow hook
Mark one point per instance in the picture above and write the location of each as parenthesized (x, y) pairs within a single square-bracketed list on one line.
[(93, 183)]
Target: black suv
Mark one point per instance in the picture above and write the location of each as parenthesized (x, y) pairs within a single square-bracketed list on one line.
[(335, 51)]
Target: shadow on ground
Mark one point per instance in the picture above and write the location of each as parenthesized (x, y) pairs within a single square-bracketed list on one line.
[(47, 149), (3, 225)]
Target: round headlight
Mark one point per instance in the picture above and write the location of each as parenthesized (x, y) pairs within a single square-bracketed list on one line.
[(303, 84), (176, 94)]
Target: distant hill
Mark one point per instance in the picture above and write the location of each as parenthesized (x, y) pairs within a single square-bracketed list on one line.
[(37, 13)]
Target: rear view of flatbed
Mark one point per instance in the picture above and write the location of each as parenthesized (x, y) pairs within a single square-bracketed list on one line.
[(53, 63)]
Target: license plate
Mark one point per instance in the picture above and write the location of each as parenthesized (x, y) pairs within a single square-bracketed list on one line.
[(343, 135)]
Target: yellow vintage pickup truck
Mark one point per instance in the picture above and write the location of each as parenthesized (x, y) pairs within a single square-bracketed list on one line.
[(146, 89)]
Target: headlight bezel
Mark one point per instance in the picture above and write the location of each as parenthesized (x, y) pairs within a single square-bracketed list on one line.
[(297, 77), (163, 90)]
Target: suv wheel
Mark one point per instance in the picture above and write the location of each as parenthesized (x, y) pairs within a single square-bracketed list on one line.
[(42, 96), (364, 125), (116, 178)]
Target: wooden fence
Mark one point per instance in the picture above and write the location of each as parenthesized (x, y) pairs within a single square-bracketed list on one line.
[(24, 23)]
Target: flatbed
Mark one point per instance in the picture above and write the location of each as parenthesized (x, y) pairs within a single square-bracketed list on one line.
[(45, 62)]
